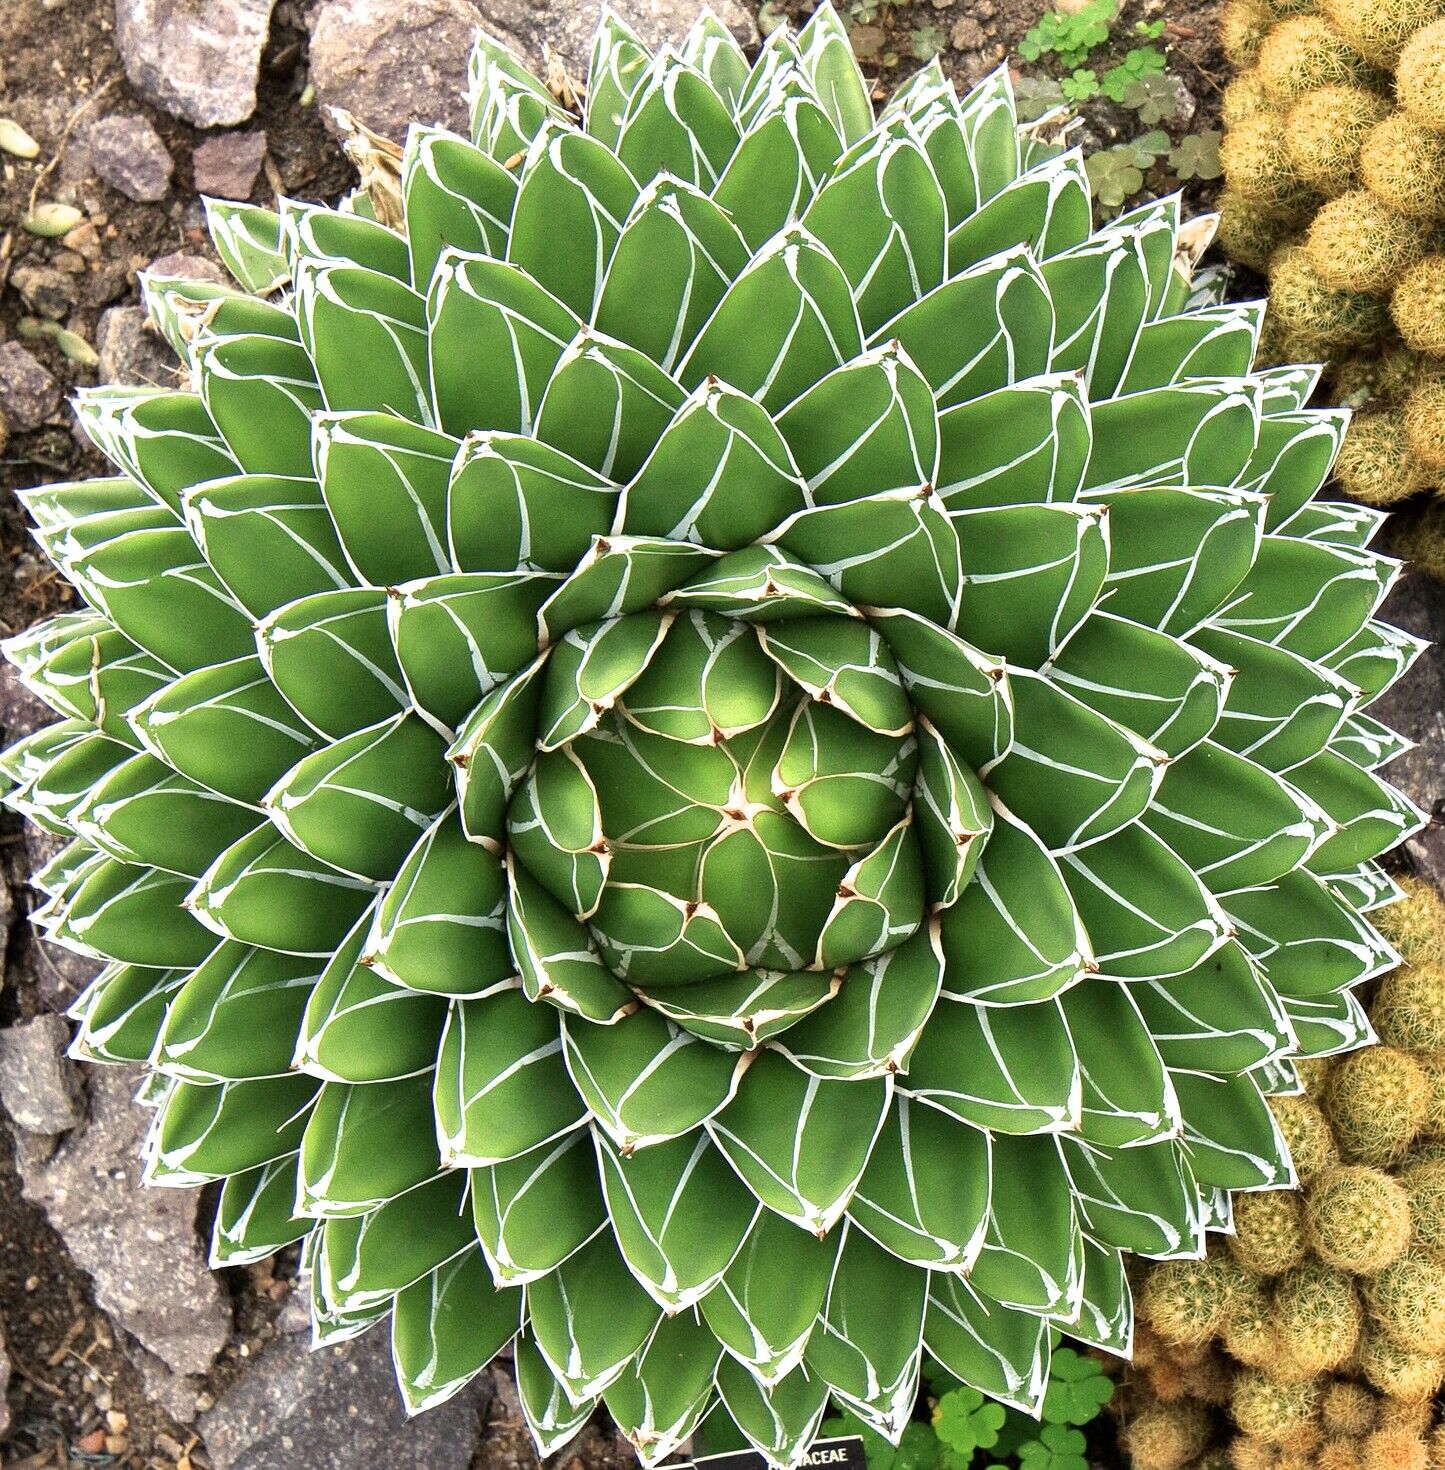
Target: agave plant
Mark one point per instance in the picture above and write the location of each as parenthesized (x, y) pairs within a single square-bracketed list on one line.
[(717, 744)]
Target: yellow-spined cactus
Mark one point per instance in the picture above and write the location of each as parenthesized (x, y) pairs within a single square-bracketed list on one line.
[(1272, 1411), (1418, 306), (1166, 1436), (1270, 1232), (1420, 76), (1424, 1184), (1393, 1449), (1379, 29), (1359, 243), (1311, 1144), (1397, 1371), (1186, 1300), (1261, 171), (1376, 464), (1359, 1218), (1251, 234), (1424, 424), (1376, 1103), (1242, 28), (1304, 52), (1316, 311), (1347, 1410), (1409, 1009), (1317, 1315), (1407, 1301), (1403, 163), (1325, 130)]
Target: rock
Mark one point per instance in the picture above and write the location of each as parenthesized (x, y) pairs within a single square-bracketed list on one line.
[(39, 1084), (28, 394), (127, 152), (226, 165), (567, 26), (196, 59), (1416, 708), (393, 62), (336, 1409), (184, 265), (131, 351), (176, 1393), (45, 290), (140, 1246), (4, 1383)]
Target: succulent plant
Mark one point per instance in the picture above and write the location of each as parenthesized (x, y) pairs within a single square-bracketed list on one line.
[(716, 744)]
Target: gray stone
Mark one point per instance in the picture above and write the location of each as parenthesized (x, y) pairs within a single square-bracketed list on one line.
[(140, 1246), (1416, 708), (127, 152), (39, 1084), (566, 26), (336, 1409), (4, 1383), (226, 165), (393, 62), (183, 265), (176, 1393), (45, 290), (132, 351), (28, 394), (196, 59)]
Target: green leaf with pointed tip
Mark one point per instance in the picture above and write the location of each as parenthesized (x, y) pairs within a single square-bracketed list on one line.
[(454, 196), (134, 915), (677, 255), (1308, 942), (951, 816), (493, 750), (1230, 1137), (925, 1193), (367, 1259), (124, 1010), (249, 241), (619, 575), (801, 1142), (167, 441), (441, 925), (237, 1016), (571, 187), (1231, 821), (1168, 693), (143, 812), (459, 635), (844, 663), (1100, 290), (367, 335), (207, 1131), (507, 103), (261, 393), (870, 1330), (619, 60), (646, 1081), (254, 1216), (314, 233), (359, 1028), (1128, 1099), (661, 1398), (879, 905), (226, 727), (361, 804), (501, 1086), (1024, 444), (1005, 302), (1370, 816), (270, 539), (676, 125), (1213, 342), (554, 828), (760, 584), (780, 1419), (384, 481), (590, 669), (331, 657), (827, 57), (1329, 1024), (998, 1350), (447, 1327), (744, 1010), (679, 1215), (535, 1210), (871, 1026), (882, 215), (1071, 775), (777, 168), (365, 1145), (495, 337), (551, 1416), (590, 1317), (1146, 912), (1009, 1068), (713, 49), (719, 475), (265, 891), (786, 322)]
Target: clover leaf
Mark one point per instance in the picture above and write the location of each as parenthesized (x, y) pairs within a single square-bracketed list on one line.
[(1077, 1388), (1056, 1448), (965, 1421), (1154, 97), (1139, 63), (916, 1450), (1197, 156)]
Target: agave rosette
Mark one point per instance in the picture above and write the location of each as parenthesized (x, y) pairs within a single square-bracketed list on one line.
[(732, 748)]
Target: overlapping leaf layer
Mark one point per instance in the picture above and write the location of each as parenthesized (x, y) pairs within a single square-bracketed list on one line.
[(719, 744)]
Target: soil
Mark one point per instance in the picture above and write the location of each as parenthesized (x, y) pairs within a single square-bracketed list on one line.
[(59, 71)]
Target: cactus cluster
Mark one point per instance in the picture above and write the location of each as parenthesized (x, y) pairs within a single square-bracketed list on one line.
[(1334, 161), (1313, 1337)]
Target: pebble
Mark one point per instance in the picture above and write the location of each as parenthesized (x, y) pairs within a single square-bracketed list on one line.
[(226, 165), (196, 59), (28, 396), (127, 152)]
